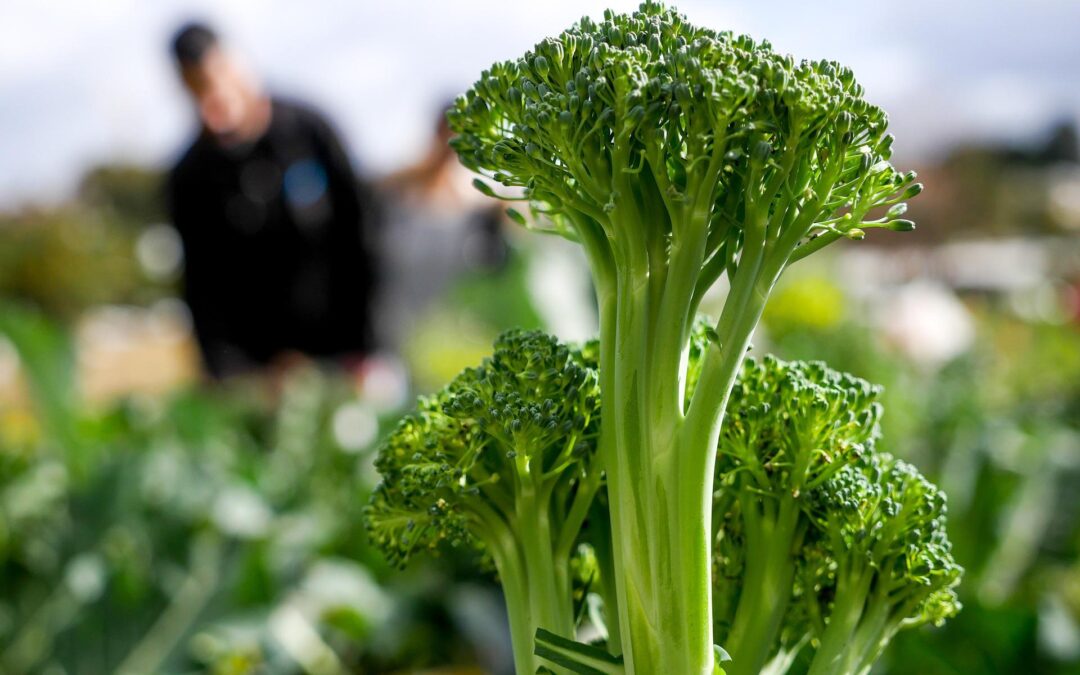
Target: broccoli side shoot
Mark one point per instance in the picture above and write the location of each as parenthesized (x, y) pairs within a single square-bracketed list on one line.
[(879, 560), (504, 458), (791, 427)]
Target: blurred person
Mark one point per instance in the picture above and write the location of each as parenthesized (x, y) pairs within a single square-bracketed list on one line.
[(270, 212), (437, 227)]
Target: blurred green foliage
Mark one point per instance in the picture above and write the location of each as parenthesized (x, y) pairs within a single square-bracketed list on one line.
[(48, 256), (131, 195), (65, 259), (213, 531)]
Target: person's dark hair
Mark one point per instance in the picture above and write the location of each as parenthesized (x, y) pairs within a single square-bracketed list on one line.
[(191, 42)]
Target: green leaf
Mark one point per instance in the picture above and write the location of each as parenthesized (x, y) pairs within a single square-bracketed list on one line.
[(721, 656), (576, 657), (47, 357)]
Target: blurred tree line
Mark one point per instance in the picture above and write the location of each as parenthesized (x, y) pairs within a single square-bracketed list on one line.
[(65, 259)]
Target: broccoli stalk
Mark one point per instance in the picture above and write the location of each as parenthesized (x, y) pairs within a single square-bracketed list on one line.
[(675, 155), (503, 457)]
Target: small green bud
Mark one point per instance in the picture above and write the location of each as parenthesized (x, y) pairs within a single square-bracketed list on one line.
[(901, 225), (897, 210), (582, 80), (682, 95), (540, 65), (912, 191), (516, 216), (483, 188), (844, 121)]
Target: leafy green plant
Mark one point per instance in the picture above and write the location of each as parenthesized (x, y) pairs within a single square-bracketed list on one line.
[(674, 155)]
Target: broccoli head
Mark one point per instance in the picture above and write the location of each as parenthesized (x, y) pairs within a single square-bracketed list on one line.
[(502, 458), (883, 561)]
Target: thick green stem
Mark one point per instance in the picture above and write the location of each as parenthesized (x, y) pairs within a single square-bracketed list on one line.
[(660, 467), (659, 462), (674, 317), (872, 635), (549, 588), (628, 461), (766, 587), (742, 311), (689, 521), (662, 533), (664, 550), (535, 584), (610, 455), (600, 536), (516, 595), (834, 653)]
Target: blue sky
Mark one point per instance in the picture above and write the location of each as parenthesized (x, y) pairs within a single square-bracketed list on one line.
[(83, 82)]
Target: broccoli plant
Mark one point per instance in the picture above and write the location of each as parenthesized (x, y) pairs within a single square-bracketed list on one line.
[(504, 458), (808, 511), (792, 427), (675, 155)]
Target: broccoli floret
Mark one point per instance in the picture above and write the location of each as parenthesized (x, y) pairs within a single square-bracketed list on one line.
[(791, 427), (701, 129), (503, 457), (821, 541), (879, 560)]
